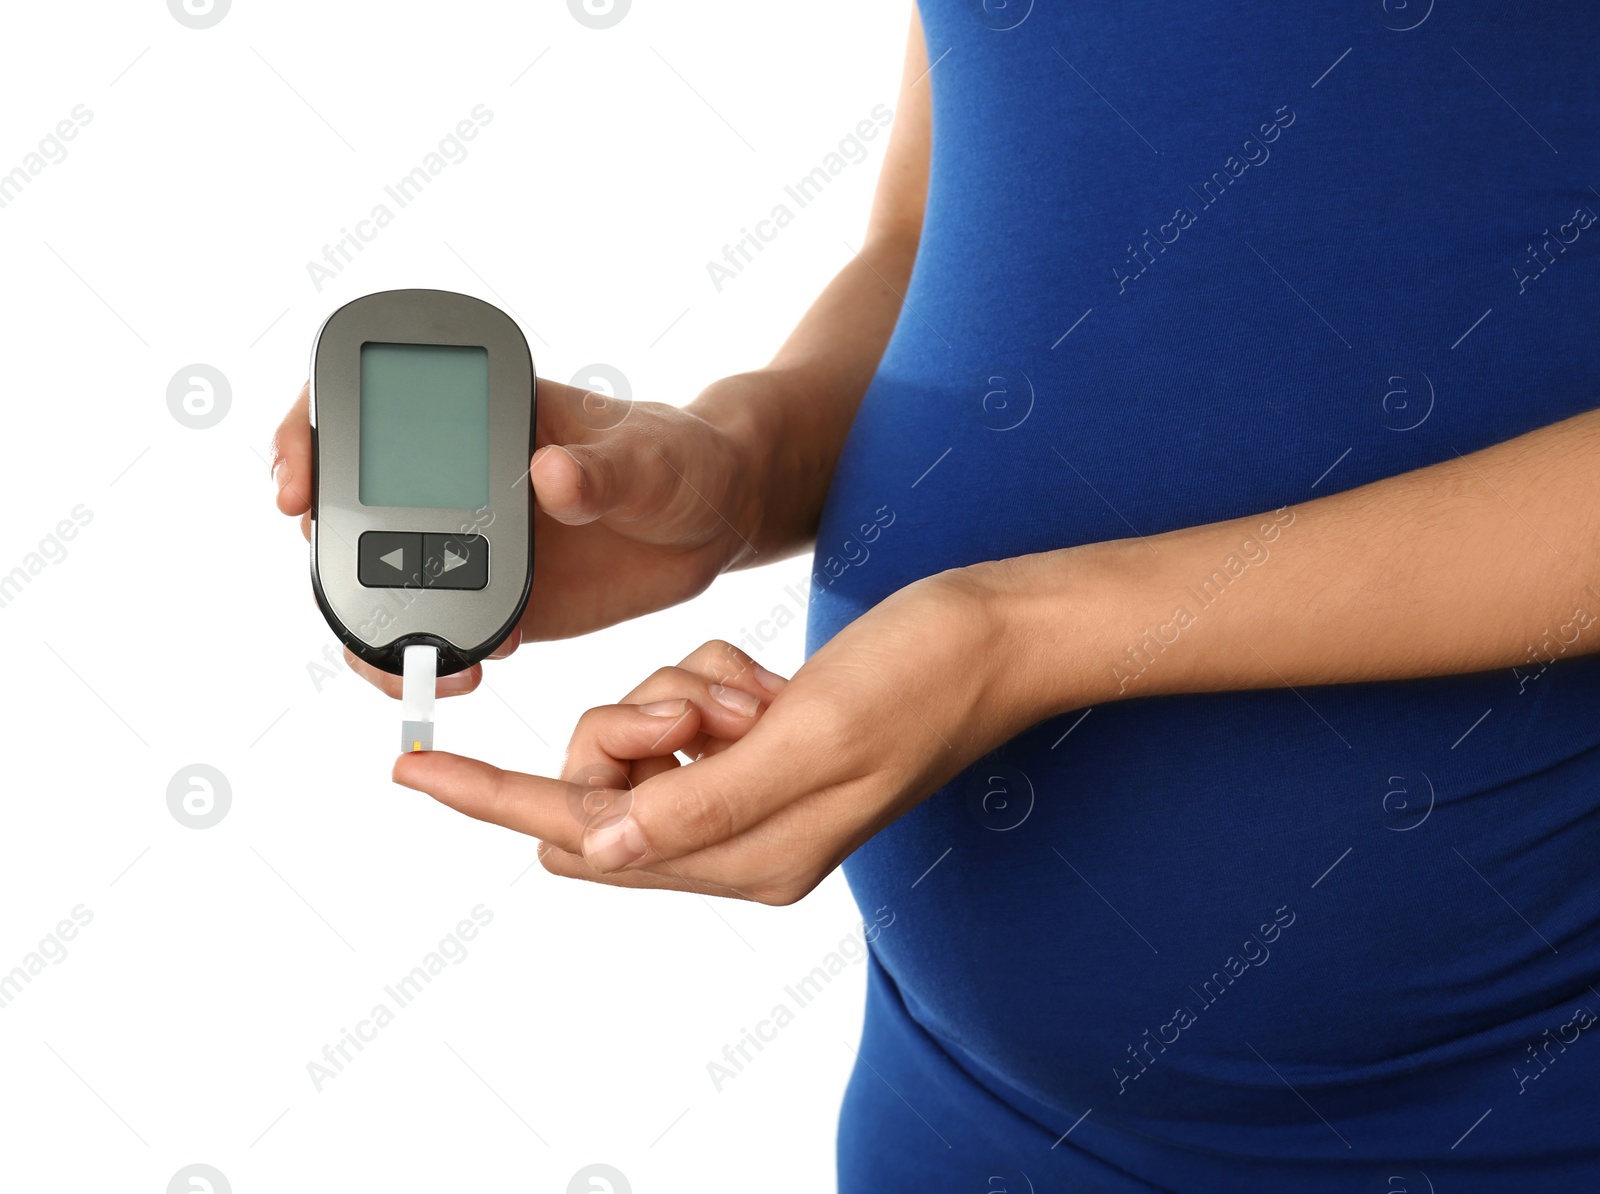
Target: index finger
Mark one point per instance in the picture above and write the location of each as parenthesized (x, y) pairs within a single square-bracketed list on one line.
[(549, 809), (568, 414), (291, 455)]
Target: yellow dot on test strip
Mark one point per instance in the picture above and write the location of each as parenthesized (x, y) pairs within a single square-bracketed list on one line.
[(416, 745)]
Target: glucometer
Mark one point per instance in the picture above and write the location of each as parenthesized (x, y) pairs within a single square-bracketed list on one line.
[(422, 425)]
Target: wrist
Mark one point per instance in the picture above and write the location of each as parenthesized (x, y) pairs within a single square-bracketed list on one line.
[(779, 476), (1054, 619)]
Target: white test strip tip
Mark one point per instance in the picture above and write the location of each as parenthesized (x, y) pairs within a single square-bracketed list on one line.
[(420, 670)]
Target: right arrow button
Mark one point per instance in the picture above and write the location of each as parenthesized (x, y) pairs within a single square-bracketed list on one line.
[(455, 561)]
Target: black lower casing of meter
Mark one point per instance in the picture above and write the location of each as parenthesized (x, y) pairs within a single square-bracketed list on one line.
[(422, 426)]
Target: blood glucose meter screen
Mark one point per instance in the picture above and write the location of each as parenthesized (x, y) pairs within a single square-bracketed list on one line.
[(424, 426)]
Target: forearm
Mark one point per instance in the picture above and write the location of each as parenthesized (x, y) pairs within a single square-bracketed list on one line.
[(1484, 561), (790, 427)]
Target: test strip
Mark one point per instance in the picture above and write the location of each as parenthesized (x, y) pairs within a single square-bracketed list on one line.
[(420, 670)]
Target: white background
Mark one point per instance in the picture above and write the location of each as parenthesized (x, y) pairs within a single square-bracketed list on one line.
[(179, 626)]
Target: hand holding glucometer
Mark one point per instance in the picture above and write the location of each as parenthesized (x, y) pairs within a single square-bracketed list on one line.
[(638, 505)]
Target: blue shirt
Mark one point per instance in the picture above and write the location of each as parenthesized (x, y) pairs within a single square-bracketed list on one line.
[(1183, 263)]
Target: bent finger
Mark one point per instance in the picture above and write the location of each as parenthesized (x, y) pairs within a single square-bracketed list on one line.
[(617, 735), (725, 664), (291, 455), (726, 711), (573, 414), (509, 644)]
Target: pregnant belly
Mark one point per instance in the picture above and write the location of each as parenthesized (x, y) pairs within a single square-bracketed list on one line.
[(1357, 882), (1168, 910), (1148, 909)]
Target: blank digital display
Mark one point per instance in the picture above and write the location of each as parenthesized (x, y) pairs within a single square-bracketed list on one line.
[(424, 426)]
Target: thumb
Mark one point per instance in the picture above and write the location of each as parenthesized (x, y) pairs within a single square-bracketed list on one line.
[(587, 459), (573, 483), (624, 474), (688, 809)]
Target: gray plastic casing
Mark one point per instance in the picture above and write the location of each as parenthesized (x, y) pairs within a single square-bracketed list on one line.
[(378, 623)]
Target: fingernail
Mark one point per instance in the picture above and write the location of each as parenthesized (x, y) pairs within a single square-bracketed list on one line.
[(281, 473), (583, 473), (665, 708), (614, 846), (454, 685), (771, 681), (741, 702)]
